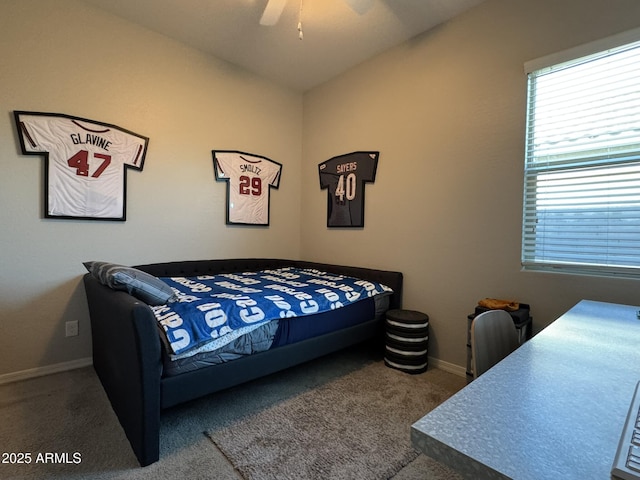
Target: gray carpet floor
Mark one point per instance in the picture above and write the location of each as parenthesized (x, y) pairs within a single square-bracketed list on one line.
[(62, 427)]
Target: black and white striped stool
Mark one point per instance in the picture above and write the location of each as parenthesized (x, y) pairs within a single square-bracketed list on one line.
[(406, 340)]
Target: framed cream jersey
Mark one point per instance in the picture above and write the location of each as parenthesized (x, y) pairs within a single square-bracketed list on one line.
[(344, 178), (85, 163), (249, 181)]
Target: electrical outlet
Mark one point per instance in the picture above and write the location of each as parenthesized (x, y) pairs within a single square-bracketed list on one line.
[(71, 328)]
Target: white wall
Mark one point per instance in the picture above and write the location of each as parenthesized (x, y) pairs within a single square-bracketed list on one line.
[(446, 110), (65, 57)]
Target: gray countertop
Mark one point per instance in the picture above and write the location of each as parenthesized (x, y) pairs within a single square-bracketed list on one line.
[(553, 409)]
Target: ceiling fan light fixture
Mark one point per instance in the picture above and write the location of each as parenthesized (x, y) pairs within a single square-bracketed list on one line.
[(274, 8), (272, 12)]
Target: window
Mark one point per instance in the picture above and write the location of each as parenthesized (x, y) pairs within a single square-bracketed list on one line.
[(581, 209)]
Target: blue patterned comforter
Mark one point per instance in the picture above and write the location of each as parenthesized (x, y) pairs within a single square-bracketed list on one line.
[(220, 308)]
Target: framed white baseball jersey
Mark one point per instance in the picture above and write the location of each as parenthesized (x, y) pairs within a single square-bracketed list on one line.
[(344, 178), (86, 163), (249, 180)]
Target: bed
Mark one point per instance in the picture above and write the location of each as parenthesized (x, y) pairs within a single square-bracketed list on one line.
[(142, 374)]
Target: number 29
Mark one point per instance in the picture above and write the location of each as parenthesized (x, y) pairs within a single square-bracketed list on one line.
[(250, 185)]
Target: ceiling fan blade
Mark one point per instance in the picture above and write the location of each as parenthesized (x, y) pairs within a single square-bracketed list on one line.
[(272, 12), (360, 6)]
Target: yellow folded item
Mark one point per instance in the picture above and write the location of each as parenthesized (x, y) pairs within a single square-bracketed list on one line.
[(495, 304)]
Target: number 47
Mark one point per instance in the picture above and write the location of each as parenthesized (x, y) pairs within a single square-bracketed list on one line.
[(80, 161)]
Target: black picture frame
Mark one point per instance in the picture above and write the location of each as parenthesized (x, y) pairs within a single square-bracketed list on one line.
[(344, 177), (100, 153), (248, 202)]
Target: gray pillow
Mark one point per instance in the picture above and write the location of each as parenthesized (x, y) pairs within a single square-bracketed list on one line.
[(141, 285)]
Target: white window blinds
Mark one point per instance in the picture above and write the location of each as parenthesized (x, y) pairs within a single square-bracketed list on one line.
[(582, 167)]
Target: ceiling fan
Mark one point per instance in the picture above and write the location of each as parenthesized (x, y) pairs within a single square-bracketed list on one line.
[(274, 9)]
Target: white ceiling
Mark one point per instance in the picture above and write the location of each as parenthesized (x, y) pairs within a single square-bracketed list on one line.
[(335, 37)]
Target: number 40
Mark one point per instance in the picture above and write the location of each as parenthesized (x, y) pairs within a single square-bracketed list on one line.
[(346, 188)]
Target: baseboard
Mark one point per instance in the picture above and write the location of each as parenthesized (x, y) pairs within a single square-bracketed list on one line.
[(47, 370), (448, 367), (88, 361)]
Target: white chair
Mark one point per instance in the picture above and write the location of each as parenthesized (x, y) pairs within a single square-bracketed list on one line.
[(493, 337)]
